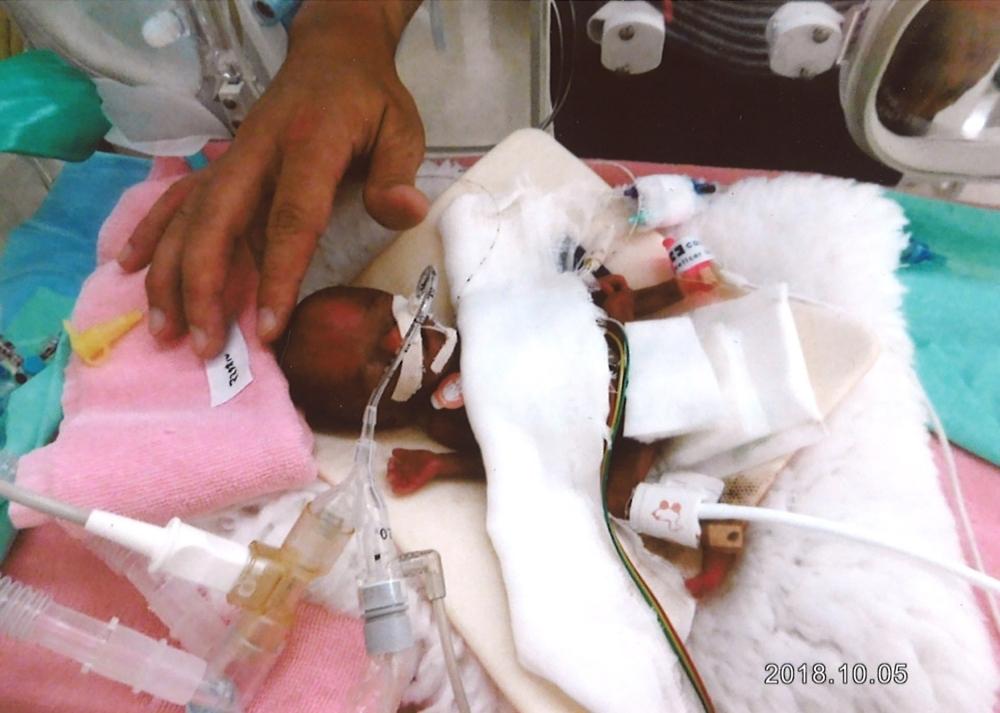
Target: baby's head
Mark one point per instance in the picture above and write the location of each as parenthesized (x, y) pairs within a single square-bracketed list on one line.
[(338, 343)]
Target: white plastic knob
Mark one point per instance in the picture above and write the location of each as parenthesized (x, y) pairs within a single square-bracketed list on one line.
[(630, 35), (804, 38)]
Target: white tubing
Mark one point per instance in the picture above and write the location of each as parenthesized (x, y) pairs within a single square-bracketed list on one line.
[(450, 661), (177, 549), (721, 511), (43, 503), (963, 513), (109, 649)]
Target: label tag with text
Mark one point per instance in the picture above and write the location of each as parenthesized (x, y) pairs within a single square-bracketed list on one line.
[(229, 372)]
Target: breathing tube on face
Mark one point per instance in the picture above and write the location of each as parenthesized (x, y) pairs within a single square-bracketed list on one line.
[(276, 579), (381, 589), (382, 594)]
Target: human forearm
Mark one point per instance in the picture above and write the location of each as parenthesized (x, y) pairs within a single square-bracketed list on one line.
[(318, 20)]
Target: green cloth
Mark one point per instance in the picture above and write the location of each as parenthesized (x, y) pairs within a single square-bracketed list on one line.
[(48, 108), (951, 306), (34, 410)]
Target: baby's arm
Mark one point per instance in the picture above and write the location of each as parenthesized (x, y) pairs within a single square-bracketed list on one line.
[(409, 470)]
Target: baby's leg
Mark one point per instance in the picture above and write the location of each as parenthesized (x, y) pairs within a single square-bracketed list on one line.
[(409, 470)]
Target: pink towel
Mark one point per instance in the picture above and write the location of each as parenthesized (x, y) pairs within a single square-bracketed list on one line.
[(140, 436)]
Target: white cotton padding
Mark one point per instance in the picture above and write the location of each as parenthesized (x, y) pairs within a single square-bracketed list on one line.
[(672, 388), (770, 406), (535, 377)]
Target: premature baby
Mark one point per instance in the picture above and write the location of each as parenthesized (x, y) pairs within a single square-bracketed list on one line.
[(340, 340)]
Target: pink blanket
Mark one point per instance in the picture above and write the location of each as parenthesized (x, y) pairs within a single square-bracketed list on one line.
[(140, 435)]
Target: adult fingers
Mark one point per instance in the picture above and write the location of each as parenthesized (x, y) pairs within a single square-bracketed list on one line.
[(223, 210), (166, 311), (138, 251), (313, 162), (390, 196)]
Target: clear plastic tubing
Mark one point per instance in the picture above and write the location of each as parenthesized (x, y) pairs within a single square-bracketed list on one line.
[(193, 619), (107, 648)]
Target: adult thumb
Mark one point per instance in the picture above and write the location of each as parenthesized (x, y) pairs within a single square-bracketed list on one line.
[(390, 195)]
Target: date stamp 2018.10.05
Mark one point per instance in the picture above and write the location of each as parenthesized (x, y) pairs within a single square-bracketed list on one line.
[(817, 673)]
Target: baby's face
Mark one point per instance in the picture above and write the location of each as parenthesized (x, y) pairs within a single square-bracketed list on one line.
[(338, 344)]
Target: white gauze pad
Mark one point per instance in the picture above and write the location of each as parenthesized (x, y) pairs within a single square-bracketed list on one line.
[(770, 409), (672, 388)]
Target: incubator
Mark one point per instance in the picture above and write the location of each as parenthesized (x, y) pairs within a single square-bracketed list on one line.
[(918, 79), (173, 69), (205, 63)]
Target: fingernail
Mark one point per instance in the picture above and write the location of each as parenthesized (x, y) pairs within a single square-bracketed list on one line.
[(266, 321), (199, 340), (157, 321), (125, 253)]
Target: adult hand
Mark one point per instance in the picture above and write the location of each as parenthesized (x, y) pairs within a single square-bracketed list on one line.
[(337, 100)]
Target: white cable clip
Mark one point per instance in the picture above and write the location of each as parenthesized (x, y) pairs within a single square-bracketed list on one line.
[(668, 510)]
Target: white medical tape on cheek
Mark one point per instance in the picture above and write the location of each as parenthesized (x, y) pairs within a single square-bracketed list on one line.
[(411, 371), (447, 349)]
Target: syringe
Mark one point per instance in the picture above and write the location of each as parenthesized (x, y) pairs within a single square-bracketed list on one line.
[(110, 649)]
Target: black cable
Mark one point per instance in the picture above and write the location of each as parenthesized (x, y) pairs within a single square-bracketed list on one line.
[(567, 51)]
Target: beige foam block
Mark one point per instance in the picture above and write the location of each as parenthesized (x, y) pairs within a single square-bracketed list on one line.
[(528, 155), (450, 517)]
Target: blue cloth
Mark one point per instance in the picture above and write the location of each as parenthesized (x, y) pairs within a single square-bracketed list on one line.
[(42, 269), (951, 306), (57, 247)]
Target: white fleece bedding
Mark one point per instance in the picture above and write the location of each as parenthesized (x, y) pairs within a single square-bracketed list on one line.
[(801, 598)]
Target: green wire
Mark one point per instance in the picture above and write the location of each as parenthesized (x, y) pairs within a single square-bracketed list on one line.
[(618, 343)]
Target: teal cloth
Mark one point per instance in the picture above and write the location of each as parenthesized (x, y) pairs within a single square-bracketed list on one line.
[(951, 307), (33, 410), (42, 269), (48, 108)]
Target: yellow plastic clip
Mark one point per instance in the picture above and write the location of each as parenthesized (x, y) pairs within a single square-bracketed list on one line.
[(93, 345)]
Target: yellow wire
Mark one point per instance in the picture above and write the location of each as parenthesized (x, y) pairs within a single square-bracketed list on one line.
[(615, 334)]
